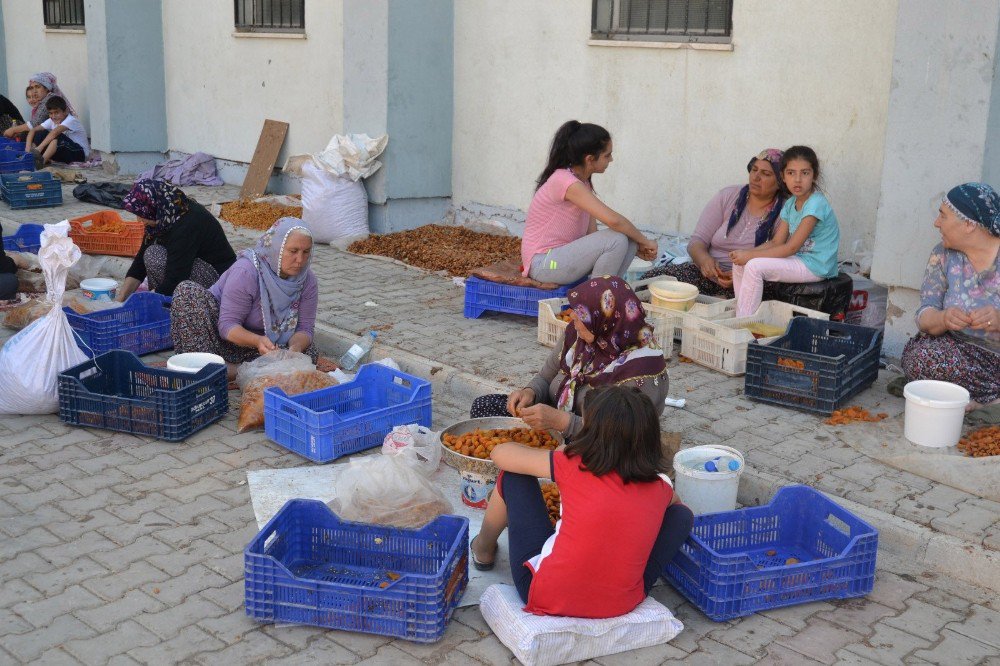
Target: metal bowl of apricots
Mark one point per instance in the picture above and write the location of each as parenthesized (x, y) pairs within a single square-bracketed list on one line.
[(466, 446)]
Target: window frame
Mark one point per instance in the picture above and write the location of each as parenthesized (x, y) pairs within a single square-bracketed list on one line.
[(75, 7), (613, 9), (260, 27)]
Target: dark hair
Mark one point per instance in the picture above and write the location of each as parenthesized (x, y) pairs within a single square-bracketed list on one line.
[(571, 145), (55, 102), (801, 153), (621, 433)]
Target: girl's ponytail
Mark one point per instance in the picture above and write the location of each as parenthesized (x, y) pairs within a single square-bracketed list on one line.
[(571, 144)]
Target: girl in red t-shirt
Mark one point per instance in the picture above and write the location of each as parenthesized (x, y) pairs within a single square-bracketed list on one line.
[(620, 522)]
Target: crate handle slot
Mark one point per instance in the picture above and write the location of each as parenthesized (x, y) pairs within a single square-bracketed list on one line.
[(836, 333), (838, 524)]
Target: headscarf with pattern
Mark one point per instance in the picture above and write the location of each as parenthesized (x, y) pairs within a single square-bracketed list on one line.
[(279, 297), (624, 347), (156, 200), (766, 228), (39, 114), (976, 202)]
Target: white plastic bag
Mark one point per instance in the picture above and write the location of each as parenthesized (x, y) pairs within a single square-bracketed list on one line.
[(278, 362), (418, 445), (30, 362), (351, 155), (335, 208)]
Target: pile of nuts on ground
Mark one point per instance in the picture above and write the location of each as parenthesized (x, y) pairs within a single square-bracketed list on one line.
[(256, 214), (436, 247)]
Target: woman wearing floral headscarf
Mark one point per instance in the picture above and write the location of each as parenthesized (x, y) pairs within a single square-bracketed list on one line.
[(267, 300), (183, 240), (608, 342), (959, 314), (41, 87), (737, 218)]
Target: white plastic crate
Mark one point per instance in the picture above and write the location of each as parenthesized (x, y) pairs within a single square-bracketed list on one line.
[(550, 328), (663, 329), (721, 344)]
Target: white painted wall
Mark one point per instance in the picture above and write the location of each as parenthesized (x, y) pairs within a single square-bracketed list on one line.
[(684, 122), (31, 49), (221, 88)]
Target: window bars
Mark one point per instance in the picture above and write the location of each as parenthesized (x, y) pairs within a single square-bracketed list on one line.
[(63, 13), (270, 15), (663, 20)]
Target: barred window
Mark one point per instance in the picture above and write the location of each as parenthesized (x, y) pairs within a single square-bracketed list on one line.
[(270, 15), (663, 20), (63, 13)]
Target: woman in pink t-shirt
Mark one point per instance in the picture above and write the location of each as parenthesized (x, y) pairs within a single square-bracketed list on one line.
[(619, 524), (561, 242)]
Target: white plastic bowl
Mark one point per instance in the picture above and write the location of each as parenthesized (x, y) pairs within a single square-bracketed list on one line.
[(99, 289), (673, 294), (934, 412), (192, 361)]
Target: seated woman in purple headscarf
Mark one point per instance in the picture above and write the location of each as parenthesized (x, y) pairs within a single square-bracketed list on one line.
[(265, 301), (959, 314)]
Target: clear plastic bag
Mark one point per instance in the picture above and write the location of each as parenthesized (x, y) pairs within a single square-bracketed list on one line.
[(292, 372), (415, 444), (273, 363), (388, 490)]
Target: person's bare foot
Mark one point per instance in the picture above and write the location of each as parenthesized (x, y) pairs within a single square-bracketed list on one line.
[(231, 369)]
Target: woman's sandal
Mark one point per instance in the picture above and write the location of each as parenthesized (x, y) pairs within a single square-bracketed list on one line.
[(476, 562)]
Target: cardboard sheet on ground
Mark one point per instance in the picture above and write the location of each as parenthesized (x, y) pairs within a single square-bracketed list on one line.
[(271, 488), (886, 443)]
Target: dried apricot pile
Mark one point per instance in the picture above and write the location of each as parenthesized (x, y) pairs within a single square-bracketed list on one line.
[(550, 493), (791, 363), (439, 247), (853, 415), (258, 215), (565, 316), (981, 443), (480, 443)]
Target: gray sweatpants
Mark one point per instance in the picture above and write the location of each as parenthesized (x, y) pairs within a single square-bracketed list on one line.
[(603, 252)]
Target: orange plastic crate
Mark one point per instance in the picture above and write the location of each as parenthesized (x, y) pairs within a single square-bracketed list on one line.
[(86, 233)]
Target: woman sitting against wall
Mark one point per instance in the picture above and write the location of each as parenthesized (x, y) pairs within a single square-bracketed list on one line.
[(959, 314), (183, 240), (737, 218), (267, 300), (41, 87)]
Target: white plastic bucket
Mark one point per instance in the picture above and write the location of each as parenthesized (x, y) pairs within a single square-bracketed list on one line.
[(673, 294), (934, 412), (704, 491), (99, 289), (192, 361), (637, 269)]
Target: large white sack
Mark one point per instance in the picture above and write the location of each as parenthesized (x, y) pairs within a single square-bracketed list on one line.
[(334, 208), (30, 362)]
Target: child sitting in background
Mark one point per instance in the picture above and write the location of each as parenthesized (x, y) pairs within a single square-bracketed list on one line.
[(65, 140), (620, 522), (805, 241)]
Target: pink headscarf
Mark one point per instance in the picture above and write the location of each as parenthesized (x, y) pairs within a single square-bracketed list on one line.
[(39, 114)]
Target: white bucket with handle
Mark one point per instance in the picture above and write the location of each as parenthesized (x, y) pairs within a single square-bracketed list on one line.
[(704, 491), (934, 412)]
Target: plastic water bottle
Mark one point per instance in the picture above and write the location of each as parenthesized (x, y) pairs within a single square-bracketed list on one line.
[(359, 350), (722, 464)]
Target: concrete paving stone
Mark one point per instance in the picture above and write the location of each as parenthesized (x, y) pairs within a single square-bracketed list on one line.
[(114, 460), (230, 567), (66, 553), (143, 469), (888, 645), (944, 599), (235, 540), (21, 565), (15, 591), (819, 640), (55, 581), (957, 649), (137, 490), (230, 597), (434, 653), (139, 575), (191, 472), (148, 524), (232, 516), (57, 656), (189, 642), (27, 434), (170, 621), (11, 623), (191, 453), (922, 619), (196, 579), (911, 508), (908, 479), (26, 535), (90, 483), (297, 636), (41, 612), (472, 618), (148, 449), (43, 477), (179, 558), (488, 650), (982, 624), (30, 501), (130, 606), (751, 635), (186, 533), (696, 625), (857, 615), (712, 653), (649, 656), (842, 454), (63, 448), (29, 646), (255, 648), (91, 502), (778, 655), (234, 496), (972, 517), (141, 549), (140, 505), (881, 494), (847, 658), (797, 617), (363, 645), (243, 457), (98, 651), (390, 655)]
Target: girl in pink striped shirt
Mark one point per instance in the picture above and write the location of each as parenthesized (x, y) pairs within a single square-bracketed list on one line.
[(561, 242)]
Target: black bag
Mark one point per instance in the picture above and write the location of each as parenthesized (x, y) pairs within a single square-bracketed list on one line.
[(832, 296), (104, 194)]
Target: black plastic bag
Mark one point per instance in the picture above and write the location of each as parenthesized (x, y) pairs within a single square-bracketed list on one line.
[(104, 194), (832, 296)]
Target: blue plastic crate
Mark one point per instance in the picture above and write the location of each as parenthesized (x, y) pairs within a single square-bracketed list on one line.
[(838, 361), (13, 158), (482, 295), (308, 566), (31, 190), (26, 239), (734, 562), (115, 391), (329, 423), (141, 325)]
